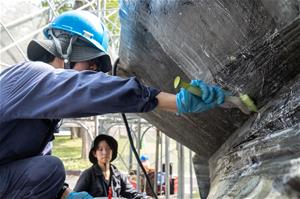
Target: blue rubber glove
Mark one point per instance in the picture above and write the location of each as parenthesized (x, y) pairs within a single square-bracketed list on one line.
[(79, 195), (211, 96)]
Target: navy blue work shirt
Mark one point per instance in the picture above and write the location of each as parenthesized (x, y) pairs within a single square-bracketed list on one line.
[(33, 95)]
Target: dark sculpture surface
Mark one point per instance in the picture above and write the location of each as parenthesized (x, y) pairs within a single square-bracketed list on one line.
[(251, 47)]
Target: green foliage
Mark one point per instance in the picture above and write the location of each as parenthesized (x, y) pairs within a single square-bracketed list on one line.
[(69, 151), (63, 7), (113, 22)]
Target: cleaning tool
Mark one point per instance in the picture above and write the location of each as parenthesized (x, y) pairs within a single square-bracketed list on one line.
[(243, 102)]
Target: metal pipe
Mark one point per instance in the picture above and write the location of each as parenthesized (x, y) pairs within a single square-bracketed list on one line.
[(88, 4), (52, 8), (161, 162), (180, 171), (103, 5), (12, 38), (143, 134), (4, 64), (22, 39), (130, 159), (65, 122), (191, 174), (98, 6), (23, 19), (38, 31), (96, 125), (138, 151), (167, 161), (156, 159)]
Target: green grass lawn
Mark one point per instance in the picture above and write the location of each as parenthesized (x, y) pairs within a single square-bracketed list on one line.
[(69, 151)]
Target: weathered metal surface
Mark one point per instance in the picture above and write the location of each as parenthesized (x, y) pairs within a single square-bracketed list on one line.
[(246, 46), (262, 159), (153, 51)]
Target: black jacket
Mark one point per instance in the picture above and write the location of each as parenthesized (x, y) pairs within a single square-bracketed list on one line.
[(92, 181)]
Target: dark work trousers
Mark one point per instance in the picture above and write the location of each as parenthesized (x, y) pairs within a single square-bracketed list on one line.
[(39, 177)]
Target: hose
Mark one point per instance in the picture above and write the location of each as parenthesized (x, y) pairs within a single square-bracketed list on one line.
[(114, 73)]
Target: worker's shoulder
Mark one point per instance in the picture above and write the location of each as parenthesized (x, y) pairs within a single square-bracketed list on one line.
[(36, 65), (19, 70), (27, 67)]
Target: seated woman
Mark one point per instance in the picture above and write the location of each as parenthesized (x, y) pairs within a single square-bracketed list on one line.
[(103, 178)]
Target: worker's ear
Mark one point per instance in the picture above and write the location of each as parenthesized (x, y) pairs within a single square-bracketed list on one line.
[(93, 67), (57, 63)]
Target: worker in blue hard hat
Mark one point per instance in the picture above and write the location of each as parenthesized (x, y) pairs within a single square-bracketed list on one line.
[(145, 162), (150, 172), (36, 94), (144, 158), (73, 37)]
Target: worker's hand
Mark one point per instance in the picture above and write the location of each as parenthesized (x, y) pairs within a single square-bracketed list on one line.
[(79, 195), (211, 96)]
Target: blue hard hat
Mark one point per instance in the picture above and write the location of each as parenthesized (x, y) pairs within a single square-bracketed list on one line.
[(144, 158), (83, 24), (74, 36)]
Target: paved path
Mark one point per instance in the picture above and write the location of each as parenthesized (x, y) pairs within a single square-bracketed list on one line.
[(71, 180)]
